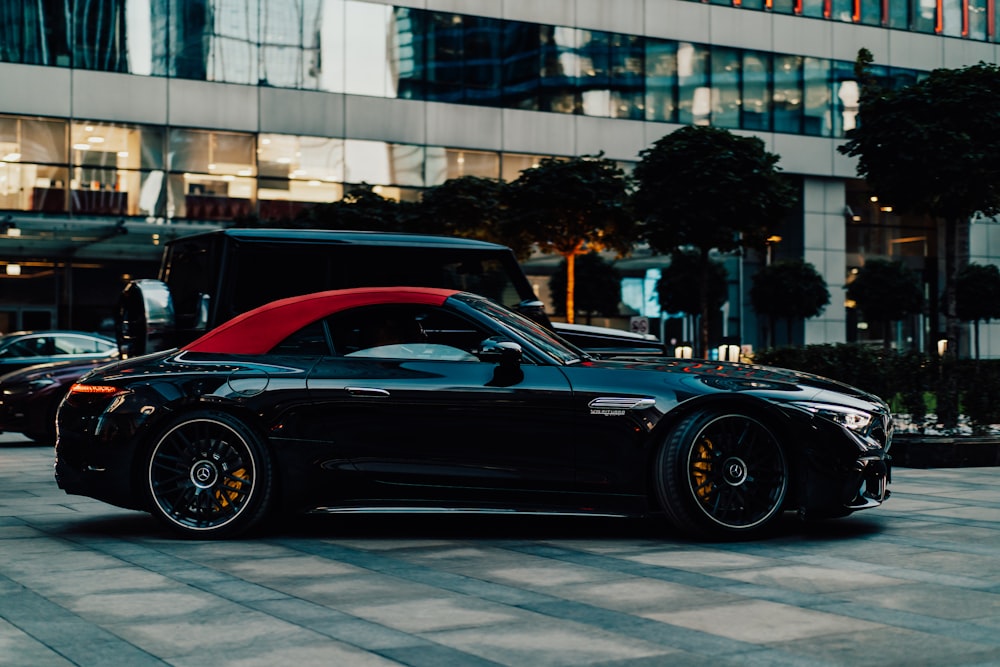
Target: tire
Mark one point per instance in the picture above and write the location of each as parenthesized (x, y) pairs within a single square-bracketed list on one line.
[(722, 474), (208, 475)]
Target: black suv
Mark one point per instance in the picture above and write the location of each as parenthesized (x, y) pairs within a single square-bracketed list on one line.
[(209, 278)]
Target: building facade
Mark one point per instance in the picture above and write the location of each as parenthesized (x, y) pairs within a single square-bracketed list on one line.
[(124, 123)]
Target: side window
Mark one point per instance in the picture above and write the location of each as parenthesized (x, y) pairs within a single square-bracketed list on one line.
[(402, 331), (309, 341), (29, 347), (79, 345)]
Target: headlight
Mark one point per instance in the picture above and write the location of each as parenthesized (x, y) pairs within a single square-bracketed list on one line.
[(856, 420)]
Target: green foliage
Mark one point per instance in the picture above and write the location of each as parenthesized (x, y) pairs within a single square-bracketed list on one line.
[(977, 293), (707, 188), (913, 382), (789, 290), (572, 206), (931, 147), (470, 207), (361, 208), (680, 281), (886, 291), (598, 286)]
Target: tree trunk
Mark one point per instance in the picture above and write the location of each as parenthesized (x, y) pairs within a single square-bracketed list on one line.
[(976, 324)]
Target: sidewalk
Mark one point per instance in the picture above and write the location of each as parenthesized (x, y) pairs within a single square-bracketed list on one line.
[(915, 582)]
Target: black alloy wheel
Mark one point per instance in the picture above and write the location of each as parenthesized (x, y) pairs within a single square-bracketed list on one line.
[(722, 474), (208, 475)]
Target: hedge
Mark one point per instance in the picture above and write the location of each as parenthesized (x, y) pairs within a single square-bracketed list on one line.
[(913, 383)]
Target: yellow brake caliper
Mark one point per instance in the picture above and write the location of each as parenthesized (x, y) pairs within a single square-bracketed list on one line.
[(702, 468), (225, 496)]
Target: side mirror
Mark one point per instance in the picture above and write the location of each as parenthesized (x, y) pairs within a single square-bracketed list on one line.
[(506, 353), (145, 321), (534, 310)]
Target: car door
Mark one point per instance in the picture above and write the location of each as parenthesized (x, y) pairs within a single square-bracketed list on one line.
[(432, 421)]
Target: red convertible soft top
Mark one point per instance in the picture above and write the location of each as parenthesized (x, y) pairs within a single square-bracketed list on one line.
[(257, 331)]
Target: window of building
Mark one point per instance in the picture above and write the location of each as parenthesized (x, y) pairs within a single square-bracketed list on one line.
[(661, 80), (924, 17), (953, 17), (813, 8), (381, 163), (756, 102), (297, 172), (513, 164), (694, 97), (560, 69), (978, 15), (447, 163), (726, 94), (787, 100), (817, 109), (108, 163)]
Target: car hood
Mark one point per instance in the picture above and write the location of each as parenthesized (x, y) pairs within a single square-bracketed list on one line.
[(779, 384)]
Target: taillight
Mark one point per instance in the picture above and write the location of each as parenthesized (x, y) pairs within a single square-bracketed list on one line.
[(104, 389)]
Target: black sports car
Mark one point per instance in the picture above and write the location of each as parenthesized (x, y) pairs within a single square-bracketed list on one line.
[(420, 399)]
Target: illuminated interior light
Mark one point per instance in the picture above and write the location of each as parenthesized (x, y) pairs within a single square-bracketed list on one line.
[(11, 157), (81, 147), (122, 153), (13, 269), (95, 139), (284, 160)]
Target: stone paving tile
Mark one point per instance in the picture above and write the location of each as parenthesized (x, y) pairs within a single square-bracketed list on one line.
[(913, 583), (549, 643), (757, 621)]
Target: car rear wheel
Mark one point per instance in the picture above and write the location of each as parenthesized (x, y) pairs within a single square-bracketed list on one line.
[(722, 474), (208, 475)]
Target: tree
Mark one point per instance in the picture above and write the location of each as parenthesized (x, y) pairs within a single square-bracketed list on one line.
[(361, 208), (789, 290), (977, 295), (470, 207), (683, 283), (573, 207), (706, 188), (598, 286), (932, 148), (886, 292)]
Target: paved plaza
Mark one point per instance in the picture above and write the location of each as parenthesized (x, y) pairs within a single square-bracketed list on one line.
[(916, 582)]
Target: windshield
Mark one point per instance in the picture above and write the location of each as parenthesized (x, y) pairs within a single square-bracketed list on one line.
[(531, 331)]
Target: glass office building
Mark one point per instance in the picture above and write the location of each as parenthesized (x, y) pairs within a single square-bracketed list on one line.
[(163, 117)]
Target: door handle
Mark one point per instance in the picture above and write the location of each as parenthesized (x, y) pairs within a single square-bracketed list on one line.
[(371, 392)]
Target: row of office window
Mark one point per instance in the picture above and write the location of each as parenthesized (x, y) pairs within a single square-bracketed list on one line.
[(971, 19), (362, 48), (57, 166)]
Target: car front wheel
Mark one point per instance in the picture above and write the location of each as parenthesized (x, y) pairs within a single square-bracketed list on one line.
[(721, 474), (208, 475)]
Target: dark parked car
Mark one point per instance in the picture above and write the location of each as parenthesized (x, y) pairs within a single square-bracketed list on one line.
[(29, 397), (205, 279), (380, 398), (27, 348)]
